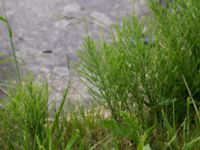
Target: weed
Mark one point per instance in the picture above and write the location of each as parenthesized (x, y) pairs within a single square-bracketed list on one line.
[(151, 81)]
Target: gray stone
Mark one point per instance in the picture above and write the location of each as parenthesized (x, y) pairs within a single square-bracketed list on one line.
[(59, 26), (61, 71), (62, 24), (101, 19), (73, 7)]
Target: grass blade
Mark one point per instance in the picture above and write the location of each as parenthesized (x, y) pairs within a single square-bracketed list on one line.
[(73, 139)]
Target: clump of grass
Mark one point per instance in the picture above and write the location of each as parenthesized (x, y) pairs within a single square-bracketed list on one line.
[(25, 115), (26, 123), (129, 72), (176, 34), (153, 80)]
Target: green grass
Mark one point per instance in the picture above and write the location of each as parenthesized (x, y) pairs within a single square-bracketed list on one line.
[(26, 123), (155, 82), (146, 94)]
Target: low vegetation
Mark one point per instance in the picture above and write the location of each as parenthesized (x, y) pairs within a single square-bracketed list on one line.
[(145, 83)]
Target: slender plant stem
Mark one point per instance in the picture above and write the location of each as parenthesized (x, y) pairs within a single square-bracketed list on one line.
[(12, 45), (190, 94)]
